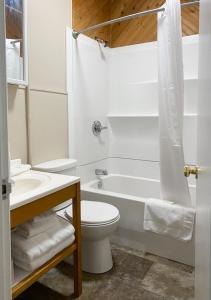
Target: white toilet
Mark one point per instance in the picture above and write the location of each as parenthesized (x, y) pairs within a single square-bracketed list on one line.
[(98, 221)]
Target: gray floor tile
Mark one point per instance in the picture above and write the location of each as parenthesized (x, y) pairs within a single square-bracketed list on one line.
[(151, 296), (128, 264), (136, 267), (169, 262), (58, 282), (169, 282), (154, 258), (135, 276)]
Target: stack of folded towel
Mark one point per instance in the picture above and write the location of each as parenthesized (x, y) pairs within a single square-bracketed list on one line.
[(38, 240)]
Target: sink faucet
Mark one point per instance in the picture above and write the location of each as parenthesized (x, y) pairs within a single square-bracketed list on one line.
[(101, 172)]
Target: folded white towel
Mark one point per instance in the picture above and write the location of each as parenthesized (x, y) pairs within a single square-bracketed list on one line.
[(168, 218), (43, 218), (37, 225), (36, 263), (37, 246)]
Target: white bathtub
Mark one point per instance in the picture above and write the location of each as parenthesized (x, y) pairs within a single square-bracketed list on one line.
[(129, 193)]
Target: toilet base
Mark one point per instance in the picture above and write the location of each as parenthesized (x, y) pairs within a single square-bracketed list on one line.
[(96, 256)]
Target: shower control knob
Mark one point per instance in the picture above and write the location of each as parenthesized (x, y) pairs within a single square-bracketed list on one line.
[(97, 128)]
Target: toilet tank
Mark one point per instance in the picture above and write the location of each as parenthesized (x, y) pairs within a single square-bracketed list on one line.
[(65, 166)]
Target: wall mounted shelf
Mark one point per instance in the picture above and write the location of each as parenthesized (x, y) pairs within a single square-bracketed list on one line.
[(156, 81), (110, 116)]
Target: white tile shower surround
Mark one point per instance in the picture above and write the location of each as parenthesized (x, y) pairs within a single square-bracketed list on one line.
[(89, 102), (133, 101), (119, 88)]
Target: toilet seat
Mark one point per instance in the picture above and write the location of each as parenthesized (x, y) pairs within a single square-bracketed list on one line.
[(95, 213)]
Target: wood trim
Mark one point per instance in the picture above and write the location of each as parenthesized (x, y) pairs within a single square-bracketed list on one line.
[(33, 277), (26, 212), (77, 253)]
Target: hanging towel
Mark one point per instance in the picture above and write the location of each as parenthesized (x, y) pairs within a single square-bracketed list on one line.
[(33, 248), (36, 263), (168, 218), (37, 225), (174, 186)]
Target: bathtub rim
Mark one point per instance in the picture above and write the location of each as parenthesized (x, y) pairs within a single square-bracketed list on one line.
[(86, 187)]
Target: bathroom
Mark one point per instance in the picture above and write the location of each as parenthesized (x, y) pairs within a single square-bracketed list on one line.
[(96, 202)]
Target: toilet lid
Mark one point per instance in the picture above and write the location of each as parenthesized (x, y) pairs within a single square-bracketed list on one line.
[(93, 213), (57, 165)]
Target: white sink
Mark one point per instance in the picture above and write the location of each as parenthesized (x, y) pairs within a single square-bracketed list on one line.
[(32, 185), (28, 182)]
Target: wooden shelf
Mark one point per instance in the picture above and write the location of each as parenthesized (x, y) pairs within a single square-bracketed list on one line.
[(22, 214), (33, 277)]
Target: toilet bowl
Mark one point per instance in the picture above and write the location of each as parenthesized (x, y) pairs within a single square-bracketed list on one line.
[(98, 221)]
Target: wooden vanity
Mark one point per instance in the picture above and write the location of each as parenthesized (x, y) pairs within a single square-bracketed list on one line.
[(28, 211)]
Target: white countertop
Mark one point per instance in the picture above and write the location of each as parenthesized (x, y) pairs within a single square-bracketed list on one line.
[(51, 183)]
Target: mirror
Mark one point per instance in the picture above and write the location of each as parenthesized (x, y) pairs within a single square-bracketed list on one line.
[(16, 41)]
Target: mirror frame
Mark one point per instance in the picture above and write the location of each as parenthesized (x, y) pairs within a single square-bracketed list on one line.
[(23, 81)]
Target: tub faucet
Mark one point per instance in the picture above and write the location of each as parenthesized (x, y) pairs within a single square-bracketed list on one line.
[(101, 172)]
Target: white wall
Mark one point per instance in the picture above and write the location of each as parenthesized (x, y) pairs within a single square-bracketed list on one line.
[(133, 106), (47, 99), (47, 21), (41, 126), (90, 99), (120, 86)]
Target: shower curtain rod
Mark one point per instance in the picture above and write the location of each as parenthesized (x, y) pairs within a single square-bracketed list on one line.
[(129, 17)]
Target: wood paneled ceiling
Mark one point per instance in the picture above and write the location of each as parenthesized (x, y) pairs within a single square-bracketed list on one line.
[(140, 30), (14, 19), (91, 12)]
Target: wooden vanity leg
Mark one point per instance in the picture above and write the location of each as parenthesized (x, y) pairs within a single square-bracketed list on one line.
[(77, 252)]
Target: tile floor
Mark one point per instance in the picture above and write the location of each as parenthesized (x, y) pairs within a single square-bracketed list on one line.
[(134, 276)]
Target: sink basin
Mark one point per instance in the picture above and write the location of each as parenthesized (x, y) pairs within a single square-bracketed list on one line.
[(32, 185), (28, 182)]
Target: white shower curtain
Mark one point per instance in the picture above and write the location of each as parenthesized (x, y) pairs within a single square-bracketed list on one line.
[(174, 186)]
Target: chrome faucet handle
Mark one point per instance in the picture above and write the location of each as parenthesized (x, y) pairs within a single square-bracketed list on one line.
[(97, 128)]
